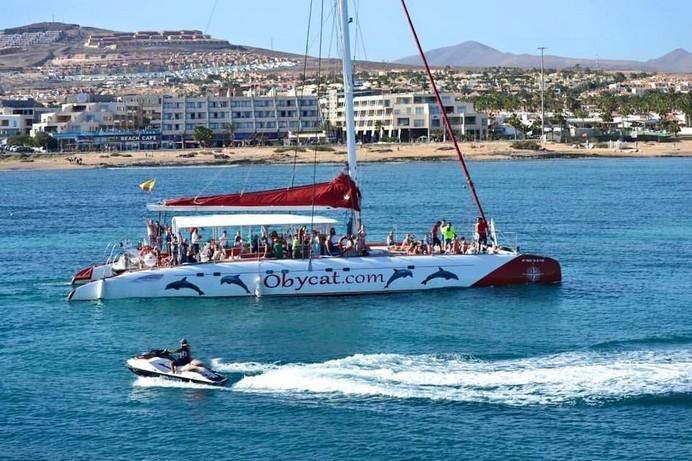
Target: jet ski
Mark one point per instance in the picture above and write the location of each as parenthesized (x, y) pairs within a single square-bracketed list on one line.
[(157, 363)]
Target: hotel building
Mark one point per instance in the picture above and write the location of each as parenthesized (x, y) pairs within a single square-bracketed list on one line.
[(248, 119), (405, 116)]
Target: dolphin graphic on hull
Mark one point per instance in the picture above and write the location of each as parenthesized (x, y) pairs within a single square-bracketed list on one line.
[(183, 283), (440, 274), (234, 280), (398, 274)]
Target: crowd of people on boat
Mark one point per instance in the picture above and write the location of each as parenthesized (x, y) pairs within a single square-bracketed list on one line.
[(442, 239), (171, 249)]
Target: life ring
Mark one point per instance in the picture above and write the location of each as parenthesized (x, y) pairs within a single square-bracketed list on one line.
[(149, 256), (345, 243), (150, 259)]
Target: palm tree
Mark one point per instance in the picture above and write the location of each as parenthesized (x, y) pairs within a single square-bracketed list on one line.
[(203, 135), (560, 119), (378, 127), (516, 123), (229, 130), (684, 103)]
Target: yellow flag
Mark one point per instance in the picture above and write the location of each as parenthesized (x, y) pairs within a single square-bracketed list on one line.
[(148, 185)]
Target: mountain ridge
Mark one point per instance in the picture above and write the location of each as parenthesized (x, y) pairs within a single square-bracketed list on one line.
[(475, 54)]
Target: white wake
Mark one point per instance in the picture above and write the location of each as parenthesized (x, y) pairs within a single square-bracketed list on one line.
[(588, 377)]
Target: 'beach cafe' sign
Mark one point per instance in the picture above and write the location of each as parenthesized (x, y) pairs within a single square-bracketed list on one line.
[(140, 138)]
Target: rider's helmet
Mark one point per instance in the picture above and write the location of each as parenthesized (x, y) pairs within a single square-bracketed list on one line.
[(183, 341)]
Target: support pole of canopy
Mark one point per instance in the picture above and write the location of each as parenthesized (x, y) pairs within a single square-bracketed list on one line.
[(348, 101), (448, 125)]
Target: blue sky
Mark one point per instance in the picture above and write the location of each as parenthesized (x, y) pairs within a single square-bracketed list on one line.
[(617, 29)]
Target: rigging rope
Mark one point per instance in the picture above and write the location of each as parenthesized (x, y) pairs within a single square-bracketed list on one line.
[(448, 125), (300, 96), (314, 162)]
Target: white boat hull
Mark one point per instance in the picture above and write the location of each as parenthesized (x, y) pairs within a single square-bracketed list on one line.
[(323, 276)]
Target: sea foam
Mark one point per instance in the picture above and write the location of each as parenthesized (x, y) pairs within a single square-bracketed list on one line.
[(588, 377)]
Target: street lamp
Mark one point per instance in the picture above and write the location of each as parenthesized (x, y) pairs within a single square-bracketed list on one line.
[(542, 98)]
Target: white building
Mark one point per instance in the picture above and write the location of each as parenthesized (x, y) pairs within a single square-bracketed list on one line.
[(248, 119), (86, 117), (127, 113), (25, 109), (406, 116), (11, 125)]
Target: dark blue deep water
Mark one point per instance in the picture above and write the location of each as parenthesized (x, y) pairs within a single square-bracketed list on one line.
[(598, 367)]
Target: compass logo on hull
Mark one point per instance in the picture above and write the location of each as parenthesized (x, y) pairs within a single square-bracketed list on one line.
[(533, 274)]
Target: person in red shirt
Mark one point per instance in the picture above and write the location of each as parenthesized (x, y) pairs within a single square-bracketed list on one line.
[(481, 233), (435, 235)]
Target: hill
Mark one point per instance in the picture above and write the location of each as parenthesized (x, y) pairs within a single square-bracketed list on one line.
[(474, 54), (35, 44)]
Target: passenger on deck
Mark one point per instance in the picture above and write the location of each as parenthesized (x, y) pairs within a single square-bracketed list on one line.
[(295, 246), (326, 246), (480, 234), (182, 251), (412, 248), (195, 239), (463, 245), (219, 253), (316, 244), (391, 240), (152, 230), (426, 246), (278, 248), (167, 238), (361, 247), (408, 240), (206, 253), (238, 241), (448, 232), (173, 251), (223, 240), (333, 241), (436, 236)]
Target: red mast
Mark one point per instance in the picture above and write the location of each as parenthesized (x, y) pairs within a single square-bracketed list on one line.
[(448, 125)]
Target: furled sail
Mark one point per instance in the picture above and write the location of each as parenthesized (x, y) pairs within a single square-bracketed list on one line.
[(340, 192)]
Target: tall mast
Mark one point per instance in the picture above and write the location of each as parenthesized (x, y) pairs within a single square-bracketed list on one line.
[(441, 105), (348, 101)]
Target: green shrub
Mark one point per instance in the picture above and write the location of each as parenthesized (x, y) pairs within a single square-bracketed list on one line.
[(281, 150), (526, 145)]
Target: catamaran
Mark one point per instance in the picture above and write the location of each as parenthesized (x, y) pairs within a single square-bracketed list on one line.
[(335, 266)]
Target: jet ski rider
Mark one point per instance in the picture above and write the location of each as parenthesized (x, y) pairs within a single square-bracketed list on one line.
[(184, 355)]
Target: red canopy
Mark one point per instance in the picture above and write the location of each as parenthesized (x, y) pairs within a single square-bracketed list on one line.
[(340, 192)]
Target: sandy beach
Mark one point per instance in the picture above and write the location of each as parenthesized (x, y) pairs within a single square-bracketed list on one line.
[(486, 150)]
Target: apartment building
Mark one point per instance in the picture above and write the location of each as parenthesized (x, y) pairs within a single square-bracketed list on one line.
[(18, 115), (129, 122), (406, 116), (11, 125), (246, 119), (88, 114)]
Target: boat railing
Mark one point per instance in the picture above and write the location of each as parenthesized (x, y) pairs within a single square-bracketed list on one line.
[(502, 239)]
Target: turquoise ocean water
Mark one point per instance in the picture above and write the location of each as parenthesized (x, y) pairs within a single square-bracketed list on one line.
[(598, 367)]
